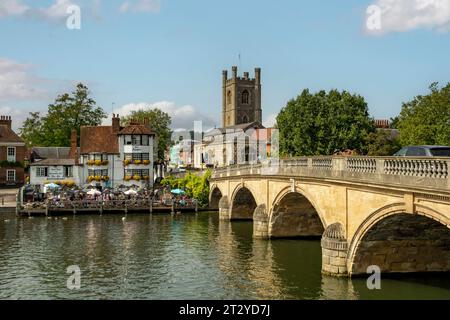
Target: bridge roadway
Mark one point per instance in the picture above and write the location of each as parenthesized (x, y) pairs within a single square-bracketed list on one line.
[(389, 212)]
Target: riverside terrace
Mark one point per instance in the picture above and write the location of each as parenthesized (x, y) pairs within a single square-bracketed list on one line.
[(64, 202)]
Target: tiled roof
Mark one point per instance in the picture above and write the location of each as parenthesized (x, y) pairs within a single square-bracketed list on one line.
[(50, 152), (136, 129), (100, 139), (244, 127), (54, 162), (8, 135)]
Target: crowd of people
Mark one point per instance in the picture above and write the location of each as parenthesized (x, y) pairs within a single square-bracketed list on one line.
[(93, 198)]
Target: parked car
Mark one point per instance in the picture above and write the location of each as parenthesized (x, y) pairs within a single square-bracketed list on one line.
[(424, 151)]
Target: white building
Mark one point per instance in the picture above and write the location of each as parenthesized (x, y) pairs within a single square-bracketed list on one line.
[(108, 156)]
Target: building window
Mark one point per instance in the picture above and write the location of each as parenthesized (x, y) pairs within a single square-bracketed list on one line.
[(11, 175), (127, 140), (145, 140), (101, 157), (11, 154), (68, 171), (229, 97), (140, 173), (136, 140), (41, 172), (245, 97), (98, 173), (137, 156)]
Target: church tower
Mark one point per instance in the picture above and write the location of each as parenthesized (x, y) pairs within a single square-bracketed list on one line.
[(241, 98)]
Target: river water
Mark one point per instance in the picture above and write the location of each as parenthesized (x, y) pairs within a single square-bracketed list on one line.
[(186, 257)]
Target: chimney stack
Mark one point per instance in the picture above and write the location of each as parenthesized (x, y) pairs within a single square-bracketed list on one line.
[(6, 120), (115, 123), (74, 147)]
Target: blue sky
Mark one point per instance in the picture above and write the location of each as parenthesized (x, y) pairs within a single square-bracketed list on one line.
[(170, 53)]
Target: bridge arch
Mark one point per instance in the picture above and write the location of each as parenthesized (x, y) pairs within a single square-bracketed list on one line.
[(398, 241), (214, 197), (243, 203), (294, 214)]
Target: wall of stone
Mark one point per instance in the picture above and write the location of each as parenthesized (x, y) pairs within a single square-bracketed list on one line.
[(334, 251), (261, 223), (295, 216), (404, 243), (216, 195), (243, 206)]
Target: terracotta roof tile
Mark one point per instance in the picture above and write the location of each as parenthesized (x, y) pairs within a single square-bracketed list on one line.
[(8, 135), (136, 129), (100, 139)]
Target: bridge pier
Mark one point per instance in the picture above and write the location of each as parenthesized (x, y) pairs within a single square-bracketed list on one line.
[(224, 209), (334, 251), (261, 223)]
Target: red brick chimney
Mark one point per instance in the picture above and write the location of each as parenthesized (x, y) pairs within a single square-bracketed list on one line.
[(74, 147), (115, 123), (6, 120)]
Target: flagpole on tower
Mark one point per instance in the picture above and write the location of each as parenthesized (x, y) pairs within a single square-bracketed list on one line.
[(239, 57)]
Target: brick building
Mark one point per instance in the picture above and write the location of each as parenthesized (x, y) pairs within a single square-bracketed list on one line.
[(12, 155)]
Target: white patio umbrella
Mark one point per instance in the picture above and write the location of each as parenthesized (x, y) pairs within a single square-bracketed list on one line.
[(94, 192), (130, 192)]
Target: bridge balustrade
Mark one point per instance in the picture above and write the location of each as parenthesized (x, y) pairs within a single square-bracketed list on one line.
[(429, 172)]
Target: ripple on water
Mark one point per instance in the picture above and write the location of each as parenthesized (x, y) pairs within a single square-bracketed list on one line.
[(161, 257)]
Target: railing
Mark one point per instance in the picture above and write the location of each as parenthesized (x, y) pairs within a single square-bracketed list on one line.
[(423, 172)]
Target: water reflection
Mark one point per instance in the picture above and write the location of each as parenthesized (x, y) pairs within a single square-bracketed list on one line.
[(175, 257)]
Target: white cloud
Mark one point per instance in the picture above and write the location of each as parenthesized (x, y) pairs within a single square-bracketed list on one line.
[(57, 11), (17, 82), (12, 8), (183, 117), (17, 115), (270, 120), (141, 6), (407, 15)]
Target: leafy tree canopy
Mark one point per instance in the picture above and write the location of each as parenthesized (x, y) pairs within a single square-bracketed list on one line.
[(426, 119), (321, 123), (160, 123), (69, 111), (196, 186), (382, 144)]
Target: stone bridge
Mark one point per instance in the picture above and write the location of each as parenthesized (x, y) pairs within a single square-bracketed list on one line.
[(389, 212)]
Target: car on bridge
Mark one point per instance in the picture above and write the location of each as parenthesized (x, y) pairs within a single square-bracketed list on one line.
[(423, 151)]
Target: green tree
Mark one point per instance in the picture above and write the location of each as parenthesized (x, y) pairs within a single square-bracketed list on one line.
[(321, 123), (195, 186), (68, 112), (426, 119), (381, 143), (160, 123), (31, 131)]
